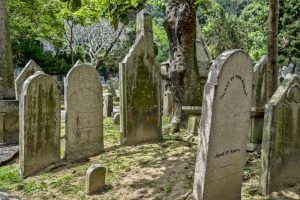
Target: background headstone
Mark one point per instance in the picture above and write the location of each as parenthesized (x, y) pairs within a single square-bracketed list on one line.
[(30, 68), (116, 119), (39, 124), (108, 104), (7, 90), (259, 99), (95, 178), (224, 126), (84, 117), (168, 103), (140, 88), (281, 139)]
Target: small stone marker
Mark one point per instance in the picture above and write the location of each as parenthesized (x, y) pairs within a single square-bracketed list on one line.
[(108, 105), (84, 115), (168, 104), (140, 88), (116, 119), (225, 122), (39, 124), (30, 68), (95, 178), (280, 166)]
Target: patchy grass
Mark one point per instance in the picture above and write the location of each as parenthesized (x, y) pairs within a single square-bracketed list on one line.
[(150, 171)]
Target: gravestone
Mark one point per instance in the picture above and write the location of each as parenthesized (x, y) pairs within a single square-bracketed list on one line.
[(281, 139), (168, 103), (224, 126), (6, 66), (140, 88), (259, 99), (30, 68), (194, 114), (108, 105), (9, 115), (84, 117), (116, 119), (39, 124), (95, 178)]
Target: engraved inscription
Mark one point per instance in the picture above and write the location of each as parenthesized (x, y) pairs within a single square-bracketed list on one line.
[(236, 77)]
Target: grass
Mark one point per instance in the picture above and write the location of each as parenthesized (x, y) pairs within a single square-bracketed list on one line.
[(150, 171)]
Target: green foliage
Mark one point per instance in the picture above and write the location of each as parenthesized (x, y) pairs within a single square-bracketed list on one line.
[(289, 26), (161, 39)]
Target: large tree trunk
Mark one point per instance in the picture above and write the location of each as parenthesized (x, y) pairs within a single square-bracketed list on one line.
[(180, 25), (272, 69)]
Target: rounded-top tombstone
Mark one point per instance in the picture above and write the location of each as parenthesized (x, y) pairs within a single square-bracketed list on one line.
[(84, 113), (224, 127), (39, 124)]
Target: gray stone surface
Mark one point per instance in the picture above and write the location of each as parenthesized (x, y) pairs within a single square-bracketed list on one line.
[(116, 119), (259, 99), (7, 90), (224, 126), (9, 122), (193, 124), (95, 178), (140, 88), (30, 68), (7, 153), (39, 124), (84, 113), (281, 139), (168, 103), (5, 196), (108, 104)]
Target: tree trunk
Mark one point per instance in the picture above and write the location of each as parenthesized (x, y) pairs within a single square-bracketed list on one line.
[(180, 25), (272, 69)]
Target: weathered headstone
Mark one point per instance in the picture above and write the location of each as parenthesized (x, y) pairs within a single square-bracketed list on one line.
[(140, 88), (6, 66), (224, 126), (84, 117), (281, 139), (9, 115), (168, 103), (194, 113), (30, 68), (39, 124), (259, 99), (95, 178), (116, 119), (108, 105)]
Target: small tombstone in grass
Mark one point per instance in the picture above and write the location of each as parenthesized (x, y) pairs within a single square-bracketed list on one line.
[(95, 179)]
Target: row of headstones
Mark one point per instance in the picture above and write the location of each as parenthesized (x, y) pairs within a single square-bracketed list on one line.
[(224, 127), (40, 118)]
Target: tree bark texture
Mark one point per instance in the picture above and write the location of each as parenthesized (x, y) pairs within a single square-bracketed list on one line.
[(180, 25), (272, 69)]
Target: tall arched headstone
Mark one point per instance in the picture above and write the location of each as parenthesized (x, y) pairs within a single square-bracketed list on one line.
[(140, 88), (224, 127), (280, 166), (39, 124), (30, 68), (84, 113)]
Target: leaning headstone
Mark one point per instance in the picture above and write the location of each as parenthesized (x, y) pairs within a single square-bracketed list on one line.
[(30, 68), (108, 105), (140, 88), (259, 99), (281, 139), (39, 124), (95, 179), (168, 103), (6, 65), (224, 126), (84, 117)]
